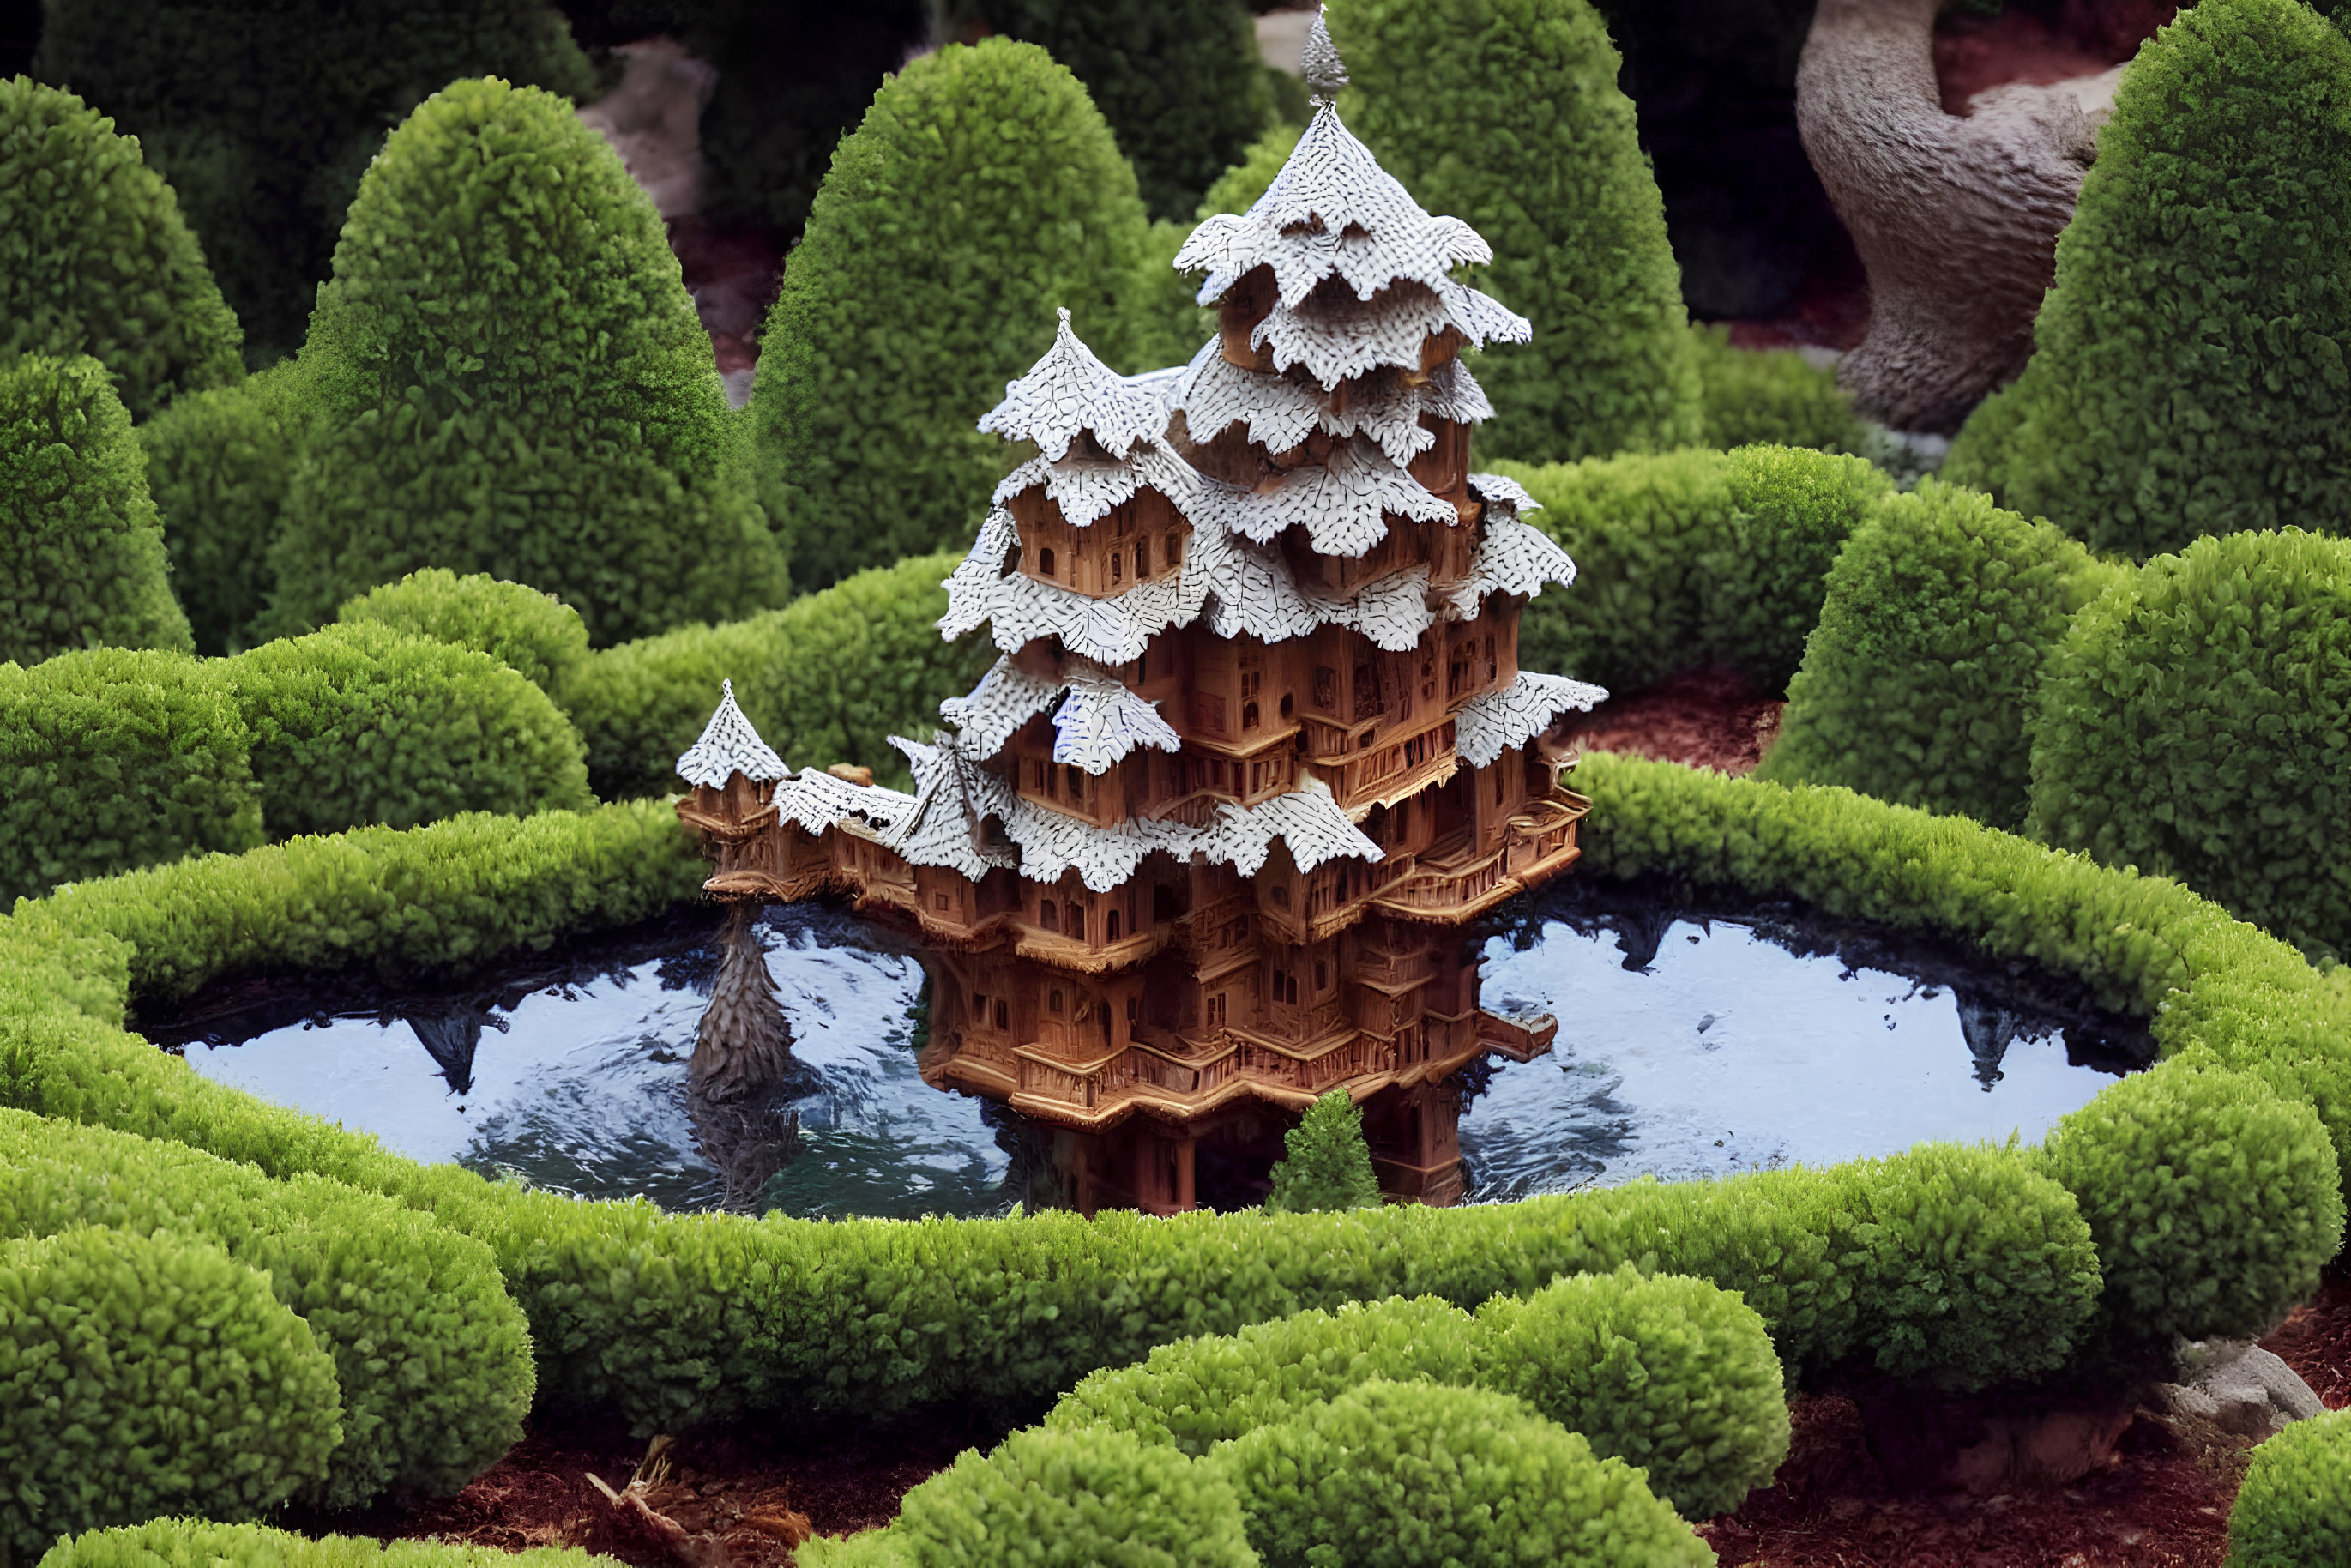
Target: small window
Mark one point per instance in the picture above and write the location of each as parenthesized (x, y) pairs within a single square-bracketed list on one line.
[(1326, 688), (978, 1006), (1077, 922), (1048, 915), (1280, 895), (1077, 784), (1053, 999), (1175, 550), (1322, 976), (1110, 928), (1248, 716), (1132, 1004), (1045, 561), (1118, 566), (1142, 557), (1003, 1016), (940, 902), (1289, 705)]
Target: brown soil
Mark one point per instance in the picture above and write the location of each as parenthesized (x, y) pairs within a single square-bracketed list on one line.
[(1708, 718), (2315, 1340)]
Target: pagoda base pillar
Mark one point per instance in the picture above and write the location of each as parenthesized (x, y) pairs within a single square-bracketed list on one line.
[(1415, 1134), (1140, 1164)]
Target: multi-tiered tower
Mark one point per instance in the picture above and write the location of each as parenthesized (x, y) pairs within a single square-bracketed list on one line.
[(1203, 843)]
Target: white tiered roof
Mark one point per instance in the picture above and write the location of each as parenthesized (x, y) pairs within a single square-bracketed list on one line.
[(729, 746), (1069, 391)]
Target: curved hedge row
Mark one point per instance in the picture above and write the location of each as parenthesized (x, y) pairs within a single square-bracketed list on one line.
[(186, 1542)]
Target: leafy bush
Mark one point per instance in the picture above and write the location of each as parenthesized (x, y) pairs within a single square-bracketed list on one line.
[(2188, 375), (2213, 1203), (921, 287), (360, 723), (94, 258), (195, 1544), (827, 679), (1770, 396), (1691, 559), (536, 634), (2196, 721), (1920, 685), (1395, 1475), (81, 555), (505, 374), (1506, 114), (142, 1375), (1072, 1500), (2293, 1509), (432, 1357), (217, 465), (115, 758), (1327, 1164), (1665, 1373)]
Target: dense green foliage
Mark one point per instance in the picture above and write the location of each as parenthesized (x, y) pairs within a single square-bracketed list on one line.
[(1669, 1373), (218, 463), (142, 1375), (2293, 1509), (1326, 1163), (200, 1543), (1178, 80), (1689, 559), (263, 117), (2196, 721), (94, 258), (1506, 114), (1396, 1475), (2190, 375), (829, 678), (360, 723), (505, 374), (536, 634), (1770, 397), (2213, 1203), (82, 563), (1919, 686), (114, 758), (982, 190)]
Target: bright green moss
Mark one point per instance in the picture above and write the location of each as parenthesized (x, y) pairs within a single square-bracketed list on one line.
[(198, 1543)]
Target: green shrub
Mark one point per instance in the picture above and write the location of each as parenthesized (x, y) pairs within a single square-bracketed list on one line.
[(1691, 559), (1395, 1475), (2293, 1509), (1770, 396), (1326, 1163), (432, 1356), (1665, 1373), (200, 1543), (82, 563), (264, 116), (536, 634), (1178, 83), (114, 758), (505, 374), (2196, 721), (829, 678), (1199, 1392), (360, 723), (142, 1375), (94, 258), (2188, 375), (921, 287), (1506, 114), (1072, 1500), (2213, 1203), (217, 465), (1920, 685)]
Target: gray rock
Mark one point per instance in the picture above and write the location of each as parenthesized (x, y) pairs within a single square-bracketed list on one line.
[(2239, 1386)]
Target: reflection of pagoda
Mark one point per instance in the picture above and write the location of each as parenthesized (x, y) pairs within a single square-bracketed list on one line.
[(1203, 842)]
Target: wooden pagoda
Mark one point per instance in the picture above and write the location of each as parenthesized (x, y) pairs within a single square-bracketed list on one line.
[(1203, 844)]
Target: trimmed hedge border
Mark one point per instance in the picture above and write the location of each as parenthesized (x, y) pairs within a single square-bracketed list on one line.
[(186, 1543)]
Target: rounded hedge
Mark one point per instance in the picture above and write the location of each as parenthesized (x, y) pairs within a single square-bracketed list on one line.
[(1398, 1475), (360, 723), (1918, 684), (505, 374), (535, 634), (2196, 722), (94, 258), (1326, 1163), (1072, 1500), (82, 563), (1506, 114), (200, 1543), (2293, 1509), (981, 191), (1772, 396), (1666, 1373), (2214, 1202), (2189, 374), (116, 757), (218, 463), (142, 1375)]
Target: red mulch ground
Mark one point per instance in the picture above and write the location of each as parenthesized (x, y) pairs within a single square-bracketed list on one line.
[(2316, 1339), (1709, 718), (2080, 39)]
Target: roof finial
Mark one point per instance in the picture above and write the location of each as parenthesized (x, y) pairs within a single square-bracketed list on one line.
[(1319, 61)]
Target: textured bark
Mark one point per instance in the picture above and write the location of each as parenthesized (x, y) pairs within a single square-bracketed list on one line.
[(743, 1043), (1956, 217)]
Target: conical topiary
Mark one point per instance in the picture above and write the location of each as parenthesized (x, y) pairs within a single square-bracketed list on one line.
[(82, 563), (1329, 1165), (2192, 372), (1506, 114), (507, 375), (982, 190), (218, 463), (94, 258)]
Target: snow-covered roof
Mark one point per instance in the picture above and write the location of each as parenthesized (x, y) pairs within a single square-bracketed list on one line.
[(1099, 723), (1308, 819), (1281, 410), (1498, 489), (1497, 721), (815, 800), (993, 711), (729, 746), (1343, 502), (1087, 488), (1069, 391)]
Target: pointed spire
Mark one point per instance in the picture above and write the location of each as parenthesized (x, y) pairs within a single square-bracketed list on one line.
[(1068, 390), (729, 746), (1319, 62)]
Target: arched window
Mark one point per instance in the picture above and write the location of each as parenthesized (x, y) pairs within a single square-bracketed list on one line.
[(1048, 915), (1077, 921), (1045, 561), (1118, 566), (1142, 557)]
